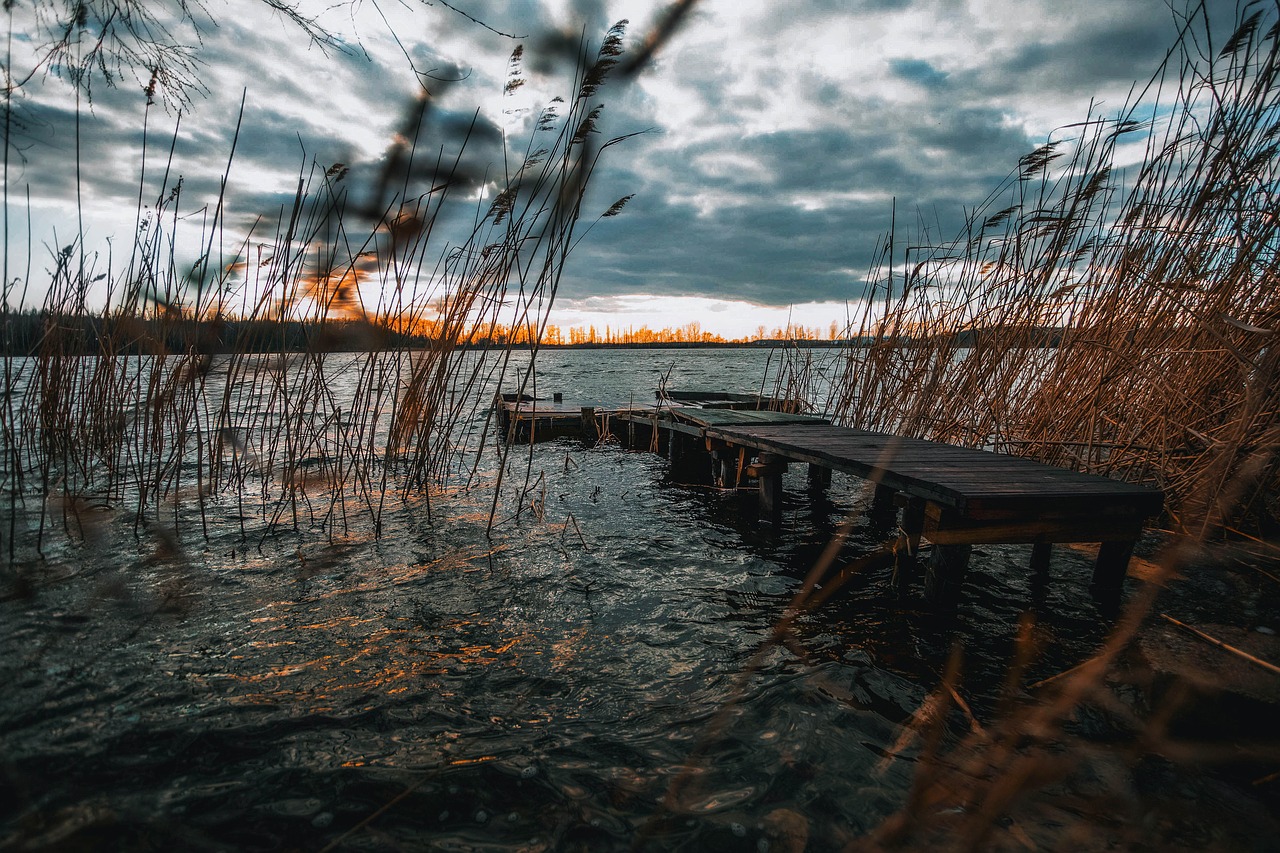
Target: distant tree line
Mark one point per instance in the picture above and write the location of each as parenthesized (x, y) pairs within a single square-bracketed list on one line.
[(35, 332)]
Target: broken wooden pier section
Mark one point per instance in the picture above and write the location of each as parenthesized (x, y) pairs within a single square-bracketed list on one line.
[(953, 497)]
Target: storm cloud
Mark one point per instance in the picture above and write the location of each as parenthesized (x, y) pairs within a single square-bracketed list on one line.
[(775, 142)]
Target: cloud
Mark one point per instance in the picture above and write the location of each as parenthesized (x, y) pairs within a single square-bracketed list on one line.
[(918, 71), (785, 140), (780, 143)]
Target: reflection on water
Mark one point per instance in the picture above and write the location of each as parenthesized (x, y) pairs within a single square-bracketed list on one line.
[(583, 680)]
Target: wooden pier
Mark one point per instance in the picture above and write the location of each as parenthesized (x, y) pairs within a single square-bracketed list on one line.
[(953, 497)]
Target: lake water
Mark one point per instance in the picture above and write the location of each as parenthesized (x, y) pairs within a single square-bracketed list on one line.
[(596, 672)]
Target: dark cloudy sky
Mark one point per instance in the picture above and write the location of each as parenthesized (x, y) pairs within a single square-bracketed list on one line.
[(780, 132)]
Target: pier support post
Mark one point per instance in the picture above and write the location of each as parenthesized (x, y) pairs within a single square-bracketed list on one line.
[(947, 568), (724, 468), (1040, 554), (884, 508), (589, 432), (907, 548), (819, 477), (1110, 568), (769, 470), (504, 418)]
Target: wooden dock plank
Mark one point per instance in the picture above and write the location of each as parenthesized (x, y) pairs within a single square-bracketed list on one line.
[(726, 400), (572, 408), (956, 476), (525, 418), (861, 449), (748, 417)]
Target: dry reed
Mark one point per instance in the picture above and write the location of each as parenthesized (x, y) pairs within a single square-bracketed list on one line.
[(1111, 306), (189, 393)]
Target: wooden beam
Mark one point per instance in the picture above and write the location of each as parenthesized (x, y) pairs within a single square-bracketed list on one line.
[(819, 477), (884, 506), (945, 526), (947, 567), (1040, 554), (1111, 566), (769, 469), (907, 549)]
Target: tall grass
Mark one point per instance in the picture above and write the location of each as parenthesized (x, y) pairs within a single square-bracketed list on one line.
[(160, 423), (1111, 307)]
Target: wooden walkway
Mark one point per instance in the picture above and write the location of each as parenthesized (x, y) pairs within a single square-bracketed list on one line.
[(953, 497)]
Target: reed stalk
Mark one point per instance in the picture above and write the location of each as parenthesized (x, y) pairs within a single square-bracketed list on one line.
[(210, 385), (1110, 307)]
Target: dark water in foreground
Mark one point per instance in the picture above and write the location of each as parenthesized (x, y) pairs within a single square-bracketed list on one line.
[(595, 676)]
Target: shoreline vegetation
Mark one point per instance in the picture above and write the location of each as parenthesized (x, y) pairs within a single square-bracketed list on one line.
[(167, 437), (1151, 239)]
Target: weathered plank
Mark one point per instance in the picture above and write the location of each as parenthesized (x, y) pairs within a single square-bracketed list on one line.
[(746, 417), (728, 400), (964, 478), (525, 418), (957, 497)]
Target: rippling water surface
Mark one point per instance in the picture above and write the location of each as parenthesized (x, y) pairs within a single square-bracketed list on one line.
[(596, 672)]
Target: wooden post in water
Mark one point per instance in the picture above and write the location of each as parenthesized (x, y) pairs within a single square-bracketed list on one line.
[(589, 424), (819, 477), (1040, 554), (769, 470), (907, 549), (1110, 568), (724, 469), (504, 418), (884, 508), (947, 568)]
